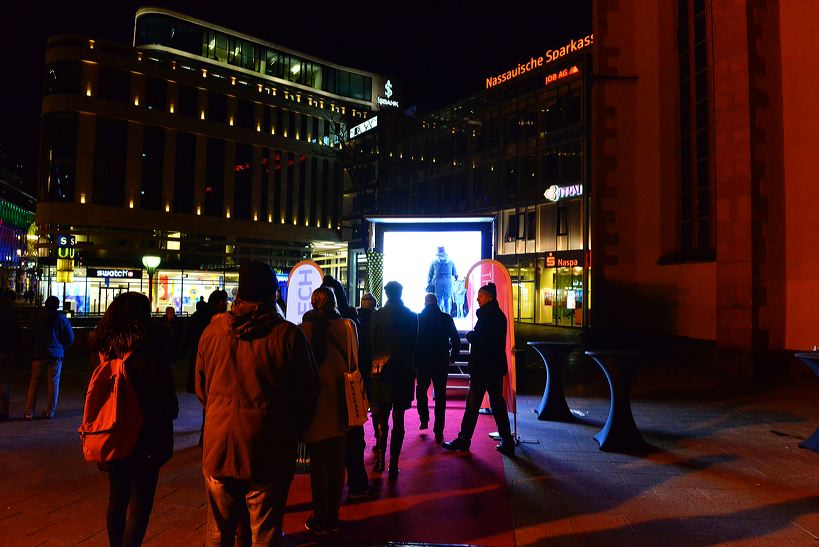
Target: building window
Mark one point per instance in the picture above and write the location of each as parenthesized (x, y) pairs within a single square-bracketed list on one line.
[(217, 108), (183, 186), (64, 78), (188, 100), (265, 187), (244, 178), (153, 153), (110, 147), (215, 177), (60, 142), (156, 93), (277, 185), (244, 114), (114, 84), (696, 211)]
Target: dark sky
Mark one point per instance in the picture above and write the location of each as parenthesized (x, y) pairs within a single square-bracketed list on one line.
[(442, 50)]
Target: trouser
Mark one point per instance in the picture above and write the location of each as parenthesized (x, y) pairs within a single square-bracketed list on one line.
[(38, 371), (230, 499), (5, 363), (438, 380), (494, 388), (327, 478), (381, 417), (357, 479), (131, 489)]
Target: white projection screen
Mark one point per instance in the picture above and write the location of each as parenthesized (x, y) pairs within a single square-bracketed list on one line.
[(422, 253)]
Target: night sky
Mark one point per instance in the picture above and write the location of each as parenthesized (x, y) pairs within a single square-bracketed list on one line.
[(441, 50)]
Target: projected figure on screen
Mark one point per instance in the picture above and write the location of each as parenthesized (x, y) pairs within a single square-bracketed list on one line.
[(459, 297), (439, 280)]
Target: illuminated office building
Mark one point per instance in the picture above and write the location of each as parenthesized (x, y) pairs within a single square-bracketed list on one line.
[(198, 144), (517, 151)]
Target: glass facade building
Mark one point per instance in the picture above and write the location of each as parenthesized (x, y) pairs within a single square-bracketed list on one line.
[(518, 151), (205, 157)]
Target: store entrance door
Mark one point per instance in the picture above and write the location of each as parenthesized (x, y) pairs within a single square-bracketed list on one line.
[(569, 296), (106, 296)]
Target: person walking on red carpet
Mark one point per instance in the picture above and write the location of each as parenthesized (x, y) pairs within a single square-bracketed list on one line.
[(393, 337), (487, 367), (326, 437), (438, 346), (258, 381)]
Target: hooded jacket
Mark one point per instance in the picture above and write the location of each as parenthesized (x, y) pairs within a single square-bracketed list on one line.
[(258, 381), (487, 358), (51, 334)]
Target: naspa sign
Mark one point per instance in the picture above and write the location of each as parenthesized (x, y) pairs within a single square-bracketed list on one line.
[(305, 277)]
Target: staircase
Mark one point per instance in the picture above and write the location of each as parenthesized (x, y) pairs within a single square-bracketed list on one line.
[(458, 377)]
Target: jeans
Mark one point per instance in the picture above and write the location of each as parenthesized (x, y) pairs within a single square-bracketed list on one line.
[(131, 489), (357, 479), (327, 478), (474, 397), (229, 500), (438, 380), (38, 370)]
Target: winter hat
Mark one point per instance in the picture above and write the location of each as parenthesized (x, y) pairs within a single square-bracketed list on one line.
[(256, 282), (489, 289), (393, 290), (441, 251)]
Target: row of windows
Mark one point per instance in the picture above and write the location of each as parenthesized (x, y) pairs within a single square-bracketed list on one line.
[(295, 188), (115, 85), (169, 31)]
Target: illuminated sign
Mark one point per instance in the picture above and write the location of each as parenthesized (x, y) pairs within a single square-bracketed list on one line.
[(65, 258), (556, 193), (66, 241), (118, 273), (363, 127), (561, 74), (533, 63), (388, 93), (565, 259)]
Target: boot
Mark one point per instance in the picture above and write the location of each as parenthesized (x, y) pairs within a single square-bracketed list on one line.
[(393, 472), (396, 442)]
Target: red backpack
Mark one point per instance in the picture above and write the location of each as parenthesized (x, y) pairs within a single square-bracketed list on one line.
[(112, 419)]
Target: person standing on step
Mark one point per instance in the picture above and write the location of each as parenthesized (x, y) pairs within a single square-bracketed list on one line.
[(393, 337), (438, 345), (487, 367), (51, 334)]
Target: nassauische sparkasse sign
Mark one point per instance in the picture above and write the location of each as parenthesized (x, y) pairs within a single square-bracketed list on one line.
[(550, 56)]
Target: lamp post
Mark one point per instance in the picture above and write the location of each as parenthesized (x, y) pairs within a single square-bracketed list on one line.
[(151, 264)]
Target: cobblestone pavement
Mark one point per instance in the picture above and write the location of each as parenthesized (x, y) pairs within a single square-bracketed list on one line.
[(724, 469)]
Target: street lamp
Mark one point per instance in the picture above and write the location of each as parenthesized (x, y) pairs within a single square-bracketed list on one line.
[(151, 264)]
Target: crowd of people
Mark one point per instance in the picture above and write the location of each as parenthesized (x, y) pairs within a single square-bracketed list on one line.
[(266, 385)]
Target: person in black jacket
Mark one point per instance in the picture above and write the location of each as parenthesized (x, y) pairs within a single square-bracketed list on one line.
[(126, 328), (487, 367), (438, 346)]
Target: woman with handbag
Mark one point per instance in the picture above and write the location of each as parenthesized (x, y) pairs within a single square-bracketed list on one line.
[(125, 332), (334, 343)]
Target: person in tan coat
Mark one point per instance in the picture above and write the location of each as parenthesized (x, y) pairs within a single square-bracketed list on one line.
[(258, 381), (334, 341)]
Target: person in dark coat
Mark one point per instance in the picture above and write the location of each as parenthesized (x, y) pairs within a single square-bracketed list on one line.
[(487, 367), (393, 332), (9, 337), (126, 328), (217, 303), (51, 334), (438, 345), (358, 483), (365, 354), (258, 380)]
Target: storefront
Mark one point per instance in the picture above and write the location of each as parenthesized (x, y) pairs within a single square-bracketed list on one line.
[(91, 290)]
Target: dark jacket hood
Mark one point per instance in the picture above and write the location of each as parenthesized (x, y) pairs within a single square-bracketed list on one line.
[(251, 320)]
